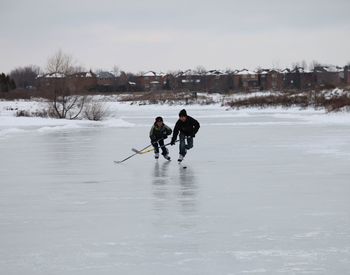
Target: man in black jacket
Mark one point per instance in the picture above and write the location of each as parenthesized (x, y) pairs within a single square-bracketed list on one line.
[(188, 128)]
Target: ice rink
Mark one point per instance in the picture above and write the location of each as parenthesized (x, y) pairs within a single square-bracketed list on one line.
[(263, 193)]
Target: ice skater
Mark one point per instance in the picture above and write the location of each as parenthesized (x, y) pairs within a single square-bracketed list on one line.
[(159, 132), (188, 128)]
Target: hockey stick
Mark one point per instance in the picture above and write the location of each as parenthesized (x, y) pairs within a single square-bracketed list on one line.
[(120, 161), (149, 150)]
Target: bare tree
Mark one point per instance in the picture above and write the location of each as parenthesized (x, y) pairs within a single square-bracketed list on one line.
[(174, 72), (94, 110), (295, 65), (61, 63), (276, 64), (314, 64), (303, 64), (78, 69), (229, 70), (24, 77), (200, 70), (64, 103), (116, 70)]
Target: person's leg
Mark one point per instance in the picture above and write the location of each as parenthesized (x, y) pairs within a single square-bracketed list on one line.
[(189, 143), (182, 145), (164, 149), (156, 147)]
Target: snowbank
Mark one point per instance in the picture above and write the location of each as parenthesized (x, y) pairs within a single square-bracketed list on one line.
[(124, 114)]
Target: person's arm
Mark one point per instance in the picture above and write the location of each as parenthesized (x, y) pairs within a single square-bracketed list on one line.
[(175, 133), (151, 134), (168, 130), (196, 126)]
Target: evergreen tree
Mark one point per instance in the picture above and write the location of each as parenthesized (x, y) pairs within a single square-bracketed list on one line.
[(6, 83), (12, 84)]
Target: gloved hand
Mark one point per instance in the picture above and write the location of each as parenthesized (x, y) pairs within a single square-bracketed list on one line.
[(165, 136), (172, 142)]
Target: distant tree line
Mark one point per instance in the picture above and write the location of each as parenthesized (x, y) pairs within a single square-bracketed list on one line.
[(24, 77), (6, 83)]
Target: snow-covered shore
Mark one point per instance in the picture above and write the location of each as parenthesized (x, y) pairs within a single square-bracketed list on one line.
[(120, 112)]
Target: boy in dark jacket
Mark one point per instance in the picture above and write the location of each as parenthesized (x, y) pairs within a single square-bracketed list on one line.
[(188, 128), (159, 132)]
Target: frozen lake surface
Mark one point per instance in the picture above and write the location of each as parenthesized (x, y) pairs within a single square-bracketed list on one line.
[(264, 193)]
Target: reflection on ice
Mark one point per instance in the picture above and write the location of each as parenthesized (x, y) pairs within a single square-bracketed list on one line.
[(161, 173), (174, 185), (188, 189)]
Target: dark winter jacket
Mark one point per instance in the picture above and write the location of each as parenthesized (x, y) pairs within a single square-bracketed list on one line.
[(188, 128), (157, 133)]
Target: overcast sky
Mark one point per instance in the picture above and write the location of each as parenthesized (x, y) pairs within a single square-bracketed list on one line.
[(168, 35)]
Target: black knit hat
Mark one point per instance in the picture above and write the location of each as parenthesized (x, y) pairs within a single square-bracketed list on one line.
[(159, 119), (183, 113)]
